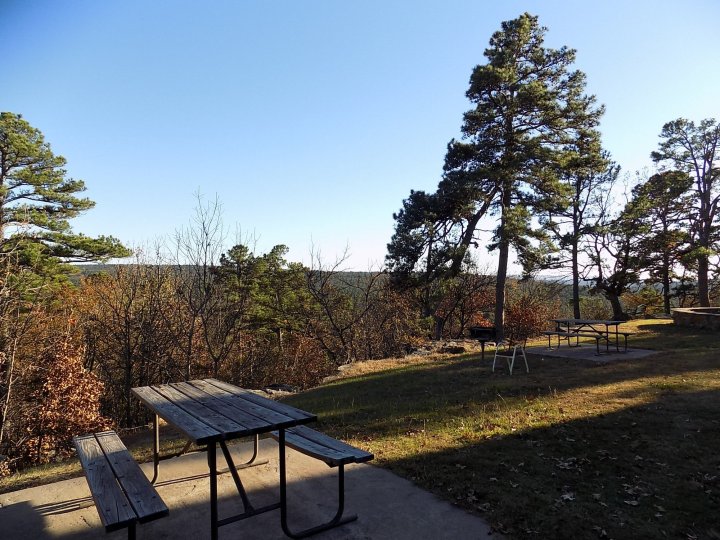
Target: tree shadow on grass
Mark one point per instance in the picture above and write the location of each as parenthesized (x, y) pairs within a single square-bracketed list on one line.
[(649, 471)]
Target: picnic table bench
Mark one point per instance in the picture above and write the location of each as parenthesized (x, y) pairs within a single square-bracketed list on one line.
[(335, 454), (569, 335), (122, 493)]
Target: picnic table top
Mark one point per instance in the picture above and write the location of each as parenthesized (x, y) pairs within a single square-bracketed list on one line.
[(210, 410), (588, 321)]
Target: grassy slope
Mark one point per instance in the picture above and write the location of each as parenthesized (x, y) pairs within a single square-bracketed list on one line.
[(623, 450)]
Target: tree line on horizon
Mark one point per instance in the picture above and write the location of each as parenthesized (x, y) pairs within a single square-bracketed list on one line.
[(531, 158)]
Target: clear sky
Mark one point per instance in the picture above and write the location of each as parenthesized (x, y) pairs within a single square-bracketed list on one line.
[(310, 120)]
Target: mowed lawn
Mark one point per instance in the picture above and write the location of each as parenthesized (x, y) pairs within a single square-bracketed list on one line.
[(571, 450)]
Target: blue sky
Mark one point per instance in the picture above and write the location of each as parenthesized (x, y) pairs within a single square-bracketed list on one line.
[(312, 120)]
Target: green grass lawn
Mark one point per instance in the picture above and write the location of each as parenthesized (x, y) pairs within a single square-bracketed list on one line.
[(571, 450)]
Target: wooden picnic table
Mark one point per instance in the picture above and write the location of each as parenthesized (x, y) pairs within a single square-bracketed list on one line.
[(592, 327), (209, 413)]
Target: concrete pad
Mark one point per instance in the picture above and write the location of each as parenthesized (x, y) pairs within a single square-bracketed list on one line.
[(588, 351), (388, 506)]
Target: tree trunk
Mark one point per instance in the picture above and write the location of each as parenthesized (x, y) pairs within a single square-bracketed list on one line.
[(502, 267), (703, 288), (500, 291), (7, 391), (614, 299), (128, 392), (281, 345), (438, 327), (575, 282), (666, 283)]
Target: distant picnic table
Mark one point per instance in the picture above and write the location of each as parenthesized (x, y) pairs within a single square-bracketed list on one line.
[(606, 331)]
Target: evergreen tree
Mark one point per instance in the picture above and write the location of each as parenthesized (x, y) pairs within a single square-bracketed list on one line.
[(614, 259), (586, 172), (661, 208), (529, 106), (421, 250), (37, 200), (693, 149)]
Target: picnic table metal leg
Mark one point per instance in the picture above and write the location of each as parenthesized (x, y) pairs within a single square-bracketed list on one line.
[(236, 477), (156, 449), (248, 509), (283, 480), (256, 444), (212, 465), (607, 339), (157, 458), (131, 531)]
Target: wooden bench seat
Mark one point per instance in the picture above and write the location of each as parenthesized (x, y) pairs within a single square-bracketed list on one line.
[(574, 334), (335, 454), (570, 335), (122, 493), (597, 337), (323, 447)]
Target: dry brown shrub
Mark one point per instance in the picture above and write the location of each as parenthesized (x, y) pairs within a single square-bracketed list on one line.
[(527, 315), (302, 363), (5, 468), (63, 401)]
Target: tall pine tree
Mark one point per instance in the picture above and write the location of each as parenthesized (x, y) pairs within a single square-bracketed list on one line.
[(693, 149), (37, 200), (528, 106)]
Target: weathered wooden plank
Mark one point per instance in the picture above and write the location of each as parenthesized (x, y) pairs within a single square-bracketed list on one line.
[(195, 430), (142, 495), (219, 422), (276, 406), (268, 416), (588, 321), (113, 507), (332, 457), (223, 406), (576, 334), (325, 440)]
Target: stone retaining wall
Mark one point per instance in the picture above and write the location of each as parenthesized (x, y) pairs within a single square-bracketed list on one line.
[(708, 317)]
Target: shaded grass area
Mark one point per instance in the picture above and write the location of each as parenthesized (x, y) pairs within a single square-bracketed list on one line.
[(570, 450)]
